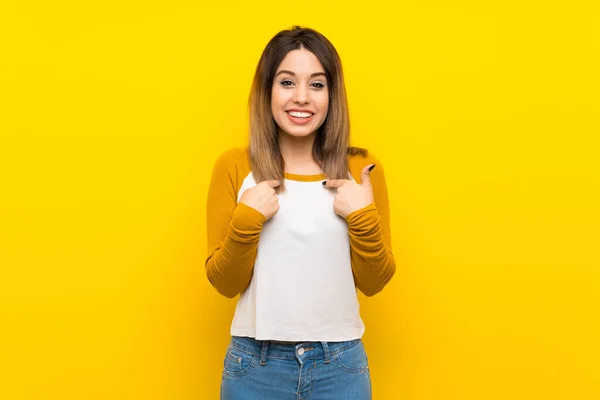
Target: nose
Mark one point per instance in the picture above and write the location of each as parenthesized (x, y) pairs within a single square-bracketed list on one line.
[(301, 95)]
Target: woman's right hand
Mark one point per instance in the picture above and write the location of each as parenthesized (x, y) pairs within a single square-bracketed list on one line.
[(262, 198)]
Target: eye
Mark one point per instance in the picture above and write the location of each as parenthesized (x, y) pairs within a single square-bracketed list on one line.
[(318, 85), (286, 83)]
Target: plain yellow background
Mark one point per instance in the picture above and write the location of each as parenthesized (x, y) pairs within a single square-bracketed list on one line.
[(485, 116)]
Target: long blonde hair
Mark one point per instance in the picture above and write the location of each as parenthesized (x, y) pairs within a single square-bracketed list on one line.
[(332, 142)]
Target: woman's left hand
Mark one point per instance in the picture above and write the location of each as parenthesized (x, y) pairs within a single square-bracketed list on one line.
[(351, 196)]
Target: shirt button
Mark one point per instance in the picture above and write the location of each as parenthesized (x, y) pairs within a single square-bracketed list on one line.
[(301, 351)]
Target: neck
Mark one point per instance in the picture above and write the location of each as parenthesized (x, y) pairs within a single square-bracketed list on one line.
[(297, 153)]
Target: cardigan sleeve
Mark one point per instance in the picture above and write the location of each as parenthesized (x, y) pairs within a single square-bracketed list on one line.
[(233, 230), (373, 264)]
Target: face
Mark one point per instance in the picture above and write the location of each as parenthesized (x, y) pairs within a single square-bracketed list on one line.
[(300, 96)]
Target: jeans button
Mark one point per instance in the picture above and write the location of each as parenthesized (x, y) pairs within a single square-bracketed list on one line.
[(301, 351)]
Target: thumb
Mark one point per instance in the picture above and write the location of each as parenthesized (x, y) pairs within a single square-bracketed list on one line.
[(366, 175)]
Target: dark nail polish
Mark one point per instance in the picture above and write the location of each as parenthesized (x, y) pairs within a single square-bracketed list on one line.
[(372, 166), (324, 183)]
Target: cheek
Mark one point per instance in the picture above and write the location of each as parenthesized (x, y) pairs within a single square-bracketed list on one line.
[(278, 99), (324, 103), (274, 100)]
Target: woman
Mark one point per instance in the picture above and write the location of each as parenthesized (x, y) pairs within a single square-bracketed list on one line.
[(296, 222)]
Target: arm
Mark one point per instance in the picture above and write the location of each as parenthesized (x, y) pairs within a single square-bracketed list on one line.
[(373, 263), (233, 231)]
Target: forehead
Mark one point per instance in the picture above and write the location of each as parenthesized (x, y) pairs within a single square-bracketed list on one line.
[(301, 62)]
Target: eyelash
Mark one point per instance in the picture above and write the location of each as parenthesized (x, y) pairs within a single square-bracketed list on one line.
[(287, 80)]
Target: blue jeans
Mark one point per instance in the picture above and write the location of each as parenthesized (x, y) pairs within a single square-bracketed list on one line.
[(267, 370)]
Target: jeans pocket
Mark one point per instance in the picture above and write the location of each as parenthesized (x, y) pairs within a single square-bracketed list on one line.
[(237, 362), (353, 359)]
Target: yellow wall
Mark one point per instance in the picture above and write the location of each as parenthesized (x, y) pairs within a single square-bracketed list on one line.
[(485, 116)]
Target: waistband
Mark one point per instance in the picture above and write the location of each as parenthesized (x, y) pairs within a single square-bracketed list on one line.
[(290, 350)]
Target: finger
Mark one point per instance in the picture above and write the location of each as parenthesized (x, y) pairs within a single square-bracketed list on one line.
[(272, 183), (335, 183), (366, 175)]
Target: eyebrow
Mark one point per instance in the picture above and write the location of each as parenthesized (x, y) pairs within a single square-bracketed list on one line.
[(283, 71)]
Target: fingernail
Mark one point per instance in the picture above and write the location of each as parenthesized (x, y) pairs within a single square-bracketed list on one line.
[(324, 183), (372, 166)]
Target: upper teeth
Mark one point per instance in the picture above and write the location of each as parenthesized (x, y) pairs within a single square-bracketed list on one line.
[(299, 114)]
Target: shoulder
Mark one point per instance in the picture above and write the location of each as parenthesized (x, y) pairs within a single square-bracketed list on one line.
[(358, 158), (232, 166), (234, 155), (233, 159), (360, 155)]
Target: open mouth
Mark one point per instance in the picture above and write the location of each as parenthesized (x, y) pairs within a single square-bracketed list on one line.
[(299, 117), (300, 114)]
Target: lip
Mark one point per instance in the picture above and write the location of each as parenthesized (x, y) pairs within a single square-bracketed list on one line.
[(300, 110), (300, 121)]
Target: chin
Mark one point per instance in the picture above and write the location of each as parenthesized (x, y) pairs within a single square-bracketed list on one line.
[(298, 131), (295, 132)]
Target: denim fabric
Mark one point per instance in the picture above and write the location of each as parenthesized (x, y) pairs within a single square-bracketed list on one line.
[(267, 370)]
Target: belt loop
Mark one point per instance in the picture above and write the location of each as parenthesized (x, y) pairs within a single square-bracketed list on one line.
[(263, 354), (326, 351)]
